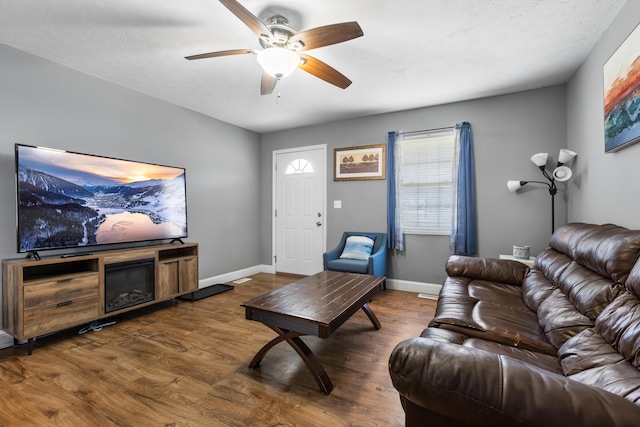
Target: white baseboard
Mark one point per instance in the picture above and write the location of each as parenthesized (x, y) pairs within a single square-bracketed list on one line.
[(6, 340), (271, 269), (234, 275), (430, 290)]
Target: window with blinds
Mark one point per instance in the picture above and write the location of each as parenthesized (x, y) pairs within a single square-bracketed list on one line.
[(426, 182)]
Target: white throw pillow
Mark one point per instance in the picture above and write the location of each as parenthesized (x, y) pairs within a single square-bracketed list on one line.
[(357, 247)]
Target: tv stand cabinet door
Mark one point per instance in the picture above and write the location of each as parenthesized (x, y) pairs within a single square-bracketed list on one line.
[(177, 276), (168, 278), (189, 274)]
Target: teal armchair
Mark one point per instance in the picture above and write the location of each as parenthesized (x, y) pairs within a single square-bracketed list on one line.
[(376, 265)]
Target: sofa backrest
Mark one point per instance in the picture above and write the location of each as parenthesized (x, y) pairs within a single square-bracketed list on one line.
[(608, 355), (608, 249), (633, 281), (581, 273), (619, 323)]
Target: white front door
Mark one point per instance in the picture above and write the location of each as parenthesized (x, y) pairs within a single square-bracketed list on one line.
[(299, 217)]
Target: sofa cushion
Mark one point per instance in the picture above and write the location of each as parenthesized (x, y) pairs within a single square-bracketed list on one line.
[(633, 281), (481, 290), (619, 325), (618, 378), (587, 290), (357, 247), (488, 309), (536, 288), (444, 335), (586, 350), (560, 319), (545, 361), (512, 324)]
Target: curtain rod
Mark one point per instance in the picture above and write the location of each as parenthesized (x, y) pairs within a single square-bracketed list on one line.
[(427, 130)]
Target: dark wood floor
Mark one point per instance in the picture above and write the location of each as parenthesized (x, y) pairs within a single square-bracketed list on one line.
[(186, 364)]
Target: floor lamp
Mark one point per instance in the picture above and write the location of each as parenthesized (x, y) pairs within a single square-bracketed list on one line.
[(560, 173)]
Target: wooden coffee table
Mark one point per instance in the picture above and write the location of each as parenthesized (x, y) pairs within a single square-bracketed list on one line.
[(316, 305)]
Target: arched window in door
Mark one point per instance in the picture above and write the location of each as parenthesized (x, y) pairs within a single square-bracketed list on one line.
[(299, 166)]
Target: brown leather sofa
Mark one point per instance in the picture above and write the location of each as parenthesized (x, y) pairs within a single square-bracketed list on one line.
[(557, 345)]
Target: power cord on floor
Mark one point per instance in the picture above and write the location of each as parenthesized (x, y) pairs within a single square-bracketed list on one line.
[(95, 326)]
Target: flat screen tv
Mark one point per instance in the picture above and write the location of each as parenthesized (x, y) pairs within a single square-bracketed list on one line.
[(75, 200)]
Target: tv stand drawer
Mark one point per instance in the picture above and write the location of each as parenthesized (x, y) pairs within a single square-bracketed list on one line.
[(61, 289), (61, 316)]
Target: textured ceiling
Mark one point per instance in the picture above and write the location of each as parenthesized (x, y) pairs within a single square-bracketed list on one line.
[(414, 53)]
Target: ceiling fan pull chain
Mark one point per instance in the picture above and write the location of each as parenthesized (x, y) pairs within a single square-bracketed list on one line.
[(279, 93)]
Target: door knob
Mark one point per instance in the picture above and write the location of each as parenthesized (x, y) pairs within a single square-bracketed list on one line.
[(318, 223)]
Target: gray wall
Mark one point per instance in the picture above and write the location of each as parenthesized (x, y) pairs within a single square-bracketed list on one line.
[(46, 104), (43, 103), (606, 187), (507, 130)]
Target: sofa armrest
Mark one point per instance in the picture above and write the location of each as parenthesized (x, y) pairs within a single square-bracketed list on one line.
[(491, 269), (476, 387)]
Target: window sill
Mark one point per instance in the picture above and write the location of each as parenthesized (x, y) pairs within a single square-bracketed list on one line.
[(418, 231)]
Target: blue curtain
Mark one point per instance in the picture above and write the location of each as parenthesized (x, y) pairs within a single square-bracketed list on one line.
[(464, 233), (395, 236)]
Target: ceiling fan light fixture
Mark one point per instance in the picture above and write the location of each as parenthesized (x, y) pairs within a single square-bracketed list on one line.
[(281, 44), (278, 62)]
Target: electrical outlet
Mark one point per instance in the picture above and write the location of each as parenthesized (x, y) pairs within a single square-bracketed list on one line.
[(337, 204)]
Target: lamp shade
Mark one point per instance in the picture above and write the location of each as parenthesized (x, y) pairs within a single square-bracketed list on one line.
[(278, 62), (514, 186), (565, 155), (562, 173), (540, 159)]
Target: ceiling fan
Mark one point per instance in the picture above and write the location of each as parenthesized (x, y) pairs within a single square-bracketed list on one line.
[(283, 47)]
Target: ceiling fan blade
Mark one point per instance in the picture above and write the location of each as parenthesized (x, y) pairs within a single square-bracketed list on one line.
[(327, 35), (323, 71), (250, 20), (220, 53), (267, 84)]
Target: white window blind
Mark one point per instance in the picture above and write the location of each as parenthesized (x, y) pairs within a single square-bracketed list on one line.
[(427, 184)]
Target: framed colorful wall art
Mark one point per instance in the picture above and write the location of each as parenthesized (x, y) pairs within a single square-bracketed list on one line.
[(622, 95)]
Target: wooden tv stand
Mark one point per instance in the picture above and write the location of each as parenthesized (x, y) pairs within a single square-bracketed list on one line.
[(55, 293)]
